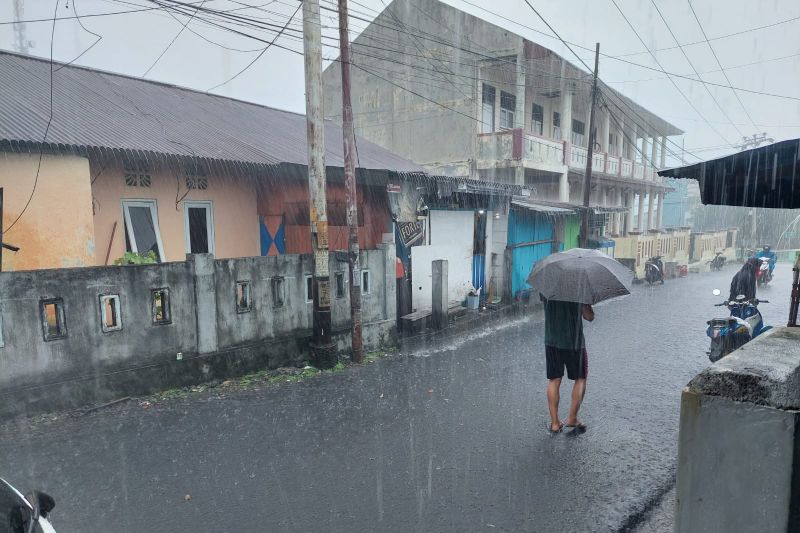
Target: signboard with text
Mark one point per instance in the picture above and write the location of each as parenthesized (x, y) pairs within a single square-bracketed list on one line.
[(411, 233)]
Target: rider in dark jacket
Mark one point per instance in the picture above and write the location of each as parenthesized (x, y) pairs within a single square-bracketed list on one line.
[(744, 282)]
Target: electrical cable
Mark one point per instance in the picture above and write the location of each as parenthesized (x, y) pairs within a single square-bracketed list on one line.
[(99, 38), (735, 93), (46, 130), (260, 54), (674, 84), (188, 20), (689, 61)]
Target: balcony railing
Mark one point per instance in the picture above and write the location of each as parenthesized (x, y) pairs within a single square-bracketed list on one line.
[(537, 151)]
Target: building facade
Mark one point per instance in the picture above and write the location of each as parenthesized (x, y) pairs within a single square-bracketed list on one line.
[(464, 97)]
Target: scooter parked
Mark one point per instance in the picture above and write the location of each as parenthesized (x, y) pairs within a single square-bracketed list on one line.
[(24, 514), (654, 270), (744, 324)]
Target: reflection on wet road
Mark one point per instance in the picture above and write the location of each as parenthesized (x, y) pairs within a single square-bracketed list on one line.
[(454, 441)]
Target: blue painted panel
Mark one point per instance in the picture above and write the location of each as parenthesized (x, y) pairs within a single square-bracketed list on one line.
[(527, 226)]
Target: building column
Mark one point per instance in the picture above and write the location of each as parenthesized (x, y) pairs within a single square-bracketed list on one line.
[(520, 110), (563, 187), (650, 210), (631, 152), (566, 115), (654, 160), (660, 221), (618, 202), (640, 214), (603, 131), (645, 154), (663, 153), (621, 139), (627, 216)]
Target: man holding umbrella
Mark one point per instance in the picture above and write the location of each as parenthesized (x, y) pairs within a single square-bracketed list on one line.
[(570, 283), (565, 347)]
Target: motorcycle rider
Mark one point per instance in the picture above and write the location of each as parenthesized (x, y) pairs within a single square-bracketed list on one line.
[(769, 254), (744, 281)]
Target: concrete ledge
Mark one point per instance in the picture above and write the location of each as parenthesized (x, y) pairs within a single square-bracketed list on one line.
[(765, 371), (739, 441)]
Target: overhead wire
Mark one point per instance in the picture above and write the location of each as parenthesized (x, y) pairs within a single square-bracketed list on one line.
[(277, 36), (691, 64), (87, 30), (674, 84), (188, 20), (46, 129), (714, 53)]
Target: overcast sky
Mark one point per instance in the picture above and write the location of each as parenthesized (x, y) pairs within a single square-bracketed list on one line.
[(131, 42)]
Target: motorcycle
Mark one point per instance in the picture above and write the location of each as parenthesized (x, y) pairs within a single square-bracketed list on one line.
[(718, 262), (24, 514), (743, 325), (654, 270), (763, 275)]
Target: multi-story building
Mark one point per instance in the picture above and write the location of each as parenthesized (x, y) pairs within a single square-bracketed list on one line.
[(464, 97)]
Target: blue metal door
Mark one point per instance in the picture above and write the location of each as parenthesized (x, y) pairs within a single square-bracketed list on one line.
[(530, 237)]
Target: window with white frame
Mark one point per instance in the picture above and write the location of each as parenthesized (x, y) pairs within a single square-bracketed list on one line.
[(613, 143), (578, 133), (556, 125), (508, 104), (142, 234), (537, 119), (198, 224), (487, 109)]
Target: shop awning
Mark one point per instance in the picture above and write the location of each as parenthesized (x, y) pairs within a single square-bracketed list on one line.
[(606, 210), (768, 176), (541, 208)]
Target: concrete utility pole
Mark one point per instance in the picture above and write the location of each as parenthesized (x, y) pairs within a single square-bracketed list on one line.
[(587, 178), (351, 191), (322, 348)]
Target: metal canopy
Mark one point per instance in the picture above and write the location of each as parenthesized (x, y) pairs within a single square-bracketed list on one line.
[(541, 208), (768, 176), (606, 210)]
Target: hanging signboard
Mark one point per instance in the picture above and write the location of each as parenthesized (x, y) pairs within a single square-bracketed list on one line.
[(411, 233)]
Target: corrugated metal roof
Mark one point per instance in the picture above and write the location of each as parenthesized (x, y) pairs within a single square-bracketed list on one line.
[(541, 208), (768, 176), (96, 109)]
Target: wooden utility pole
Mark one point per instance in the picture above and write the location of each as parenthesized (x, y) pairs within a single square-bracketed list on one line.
[(322, 348), (351, 194), (587, 178)]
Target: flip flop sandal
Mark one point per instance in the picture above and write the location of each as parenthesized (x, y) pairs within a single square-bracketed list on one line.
[(580, 426), (552, 432)]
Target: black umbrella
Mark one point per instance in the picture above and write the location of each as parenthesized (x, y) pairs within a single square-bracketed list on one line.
[(580, 275)]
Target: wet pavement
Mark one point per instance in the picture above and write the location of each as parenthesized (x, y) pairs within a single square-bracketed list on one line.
[(452, 438)]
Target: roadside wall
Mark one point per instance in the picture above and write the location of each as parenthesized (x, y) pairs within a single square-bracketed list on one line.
[(56, 353), (738, 449)]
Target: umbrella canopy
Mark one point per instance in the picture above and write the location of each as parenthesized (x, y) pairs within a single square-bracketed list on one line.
[(580, 275)]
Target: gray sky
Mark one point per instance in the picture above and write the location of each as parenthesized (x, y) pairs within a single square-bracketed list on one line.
[(131, 43)]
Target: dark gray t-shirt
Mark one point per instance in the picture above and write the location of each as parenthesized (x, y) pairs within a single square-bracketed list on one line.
[(563, 325)]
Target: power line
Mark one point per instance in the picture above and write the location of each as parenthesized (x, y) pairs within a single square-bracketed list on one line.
[(689, 61), (558, 36), (277, 36), (46, 129), (691, 104), (188, 20), (99, 38), (703, 31)]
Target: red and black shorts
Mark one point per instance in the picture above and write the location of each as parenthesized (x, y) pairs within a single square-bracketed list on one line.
[(576, 361)]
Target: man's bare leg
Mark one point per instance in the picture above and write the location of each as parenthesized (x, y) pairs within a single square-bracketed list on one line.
[(578, 392), (553, 388)]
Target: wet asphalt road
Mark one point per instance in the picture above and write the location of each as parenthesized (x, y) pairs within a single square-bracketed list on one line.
[(450, 439)]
